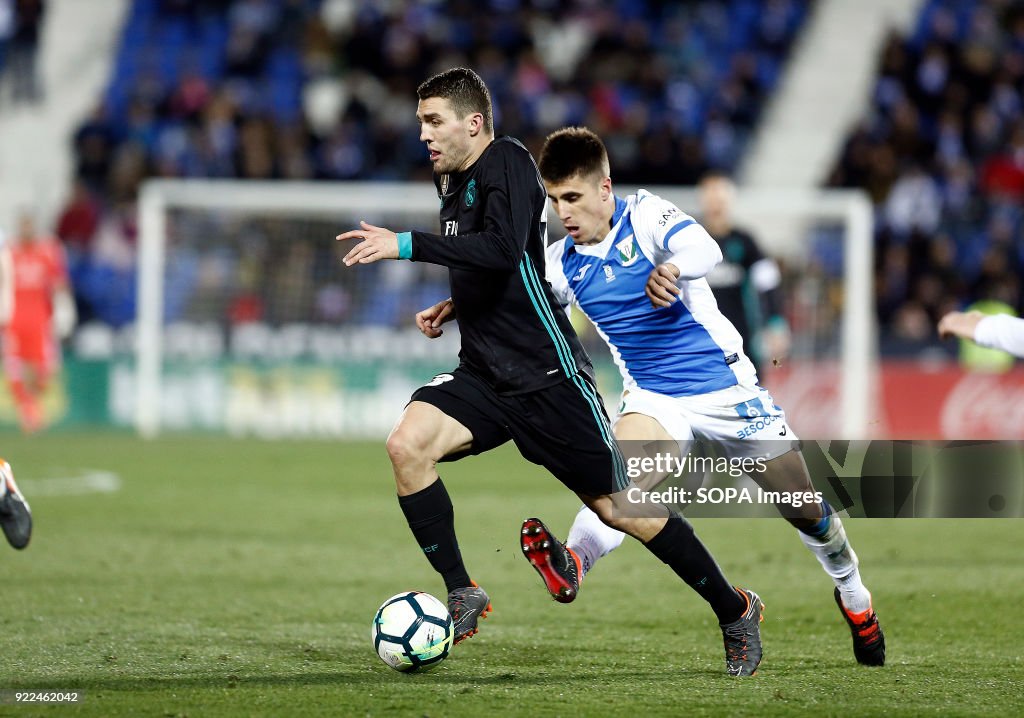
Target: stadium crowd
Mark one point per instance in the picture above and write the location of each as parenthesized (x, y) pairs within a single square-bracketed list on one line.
[(21, 22), (324, 89), (311, 89), (942, 155)]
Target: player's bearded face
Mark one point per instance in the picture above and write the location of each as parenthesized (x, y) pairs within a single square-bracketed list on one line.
[(582, 205), (447, 136)]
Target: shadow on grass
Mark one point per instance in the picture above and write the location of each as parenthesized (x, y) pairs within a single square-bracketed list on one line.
[(368, 677)]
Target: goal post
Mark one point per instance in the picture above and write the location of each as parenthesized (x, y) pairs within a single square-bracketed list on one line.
[(192, 222)]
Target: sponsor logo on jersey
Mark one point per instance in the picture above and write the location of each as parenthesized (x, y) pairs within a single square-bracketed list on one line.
[(757, 424), (609, 274), (758, 417), (667, 215), (470, 197), (444, 183), (628, 253), (582, 273), (439, 380), (751, 409)]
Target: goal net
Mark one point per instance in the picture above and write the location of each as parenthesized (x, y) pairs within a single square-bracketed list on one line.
[(248, 323)]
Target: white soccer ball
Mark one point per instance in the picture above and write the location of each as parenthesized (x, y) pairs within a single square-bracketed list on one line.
[(412, 631)]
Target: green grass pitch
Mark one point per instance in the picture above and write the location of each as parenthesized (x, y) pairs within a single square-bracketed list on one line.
[(239, 577)]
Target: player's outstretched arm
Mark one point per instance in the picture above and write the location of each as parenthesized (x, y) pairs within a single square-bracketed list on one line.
[(959, 324), (378, 243), (661, 287), (429, 321), (996, 331)]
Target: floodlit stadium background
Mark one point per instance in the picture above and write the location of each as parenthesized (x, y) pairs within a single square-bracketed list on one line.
[(230, 563), (917, 104)]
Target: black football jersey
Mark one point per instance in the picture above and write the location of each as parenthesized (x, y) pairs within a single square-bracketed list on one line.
[(514, 334), (737, 298)]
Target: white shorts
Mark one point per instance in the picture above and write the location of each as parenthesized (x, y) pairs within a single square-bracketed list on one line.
[(741, 421)]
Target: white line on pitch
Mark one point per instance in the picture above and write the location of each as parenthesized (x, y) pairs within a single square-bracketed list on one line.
[(90, 481)]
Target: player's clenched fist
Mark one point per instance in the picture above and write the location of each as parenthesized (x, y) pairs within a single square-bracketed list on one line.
[(661, 286), (429, 321), (378, 243)]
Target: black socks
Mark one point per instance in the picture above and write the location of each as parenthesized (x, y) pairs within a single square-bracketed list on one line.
[(432, 520), (678, 546)]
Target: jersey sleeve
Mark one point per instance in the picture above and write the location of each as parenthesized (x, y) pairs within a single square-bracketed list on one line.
[(670, 235), (1001, 331), (765, 277), (555, 275), (510, 185)]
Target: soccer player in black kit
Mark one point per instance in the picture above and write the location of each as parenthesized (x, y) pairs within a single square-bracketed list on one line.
[(522, 373), (746, 281)]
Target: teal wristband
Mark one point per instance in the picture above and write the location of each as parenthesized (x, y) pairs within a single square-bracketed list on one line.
[(405, 245)]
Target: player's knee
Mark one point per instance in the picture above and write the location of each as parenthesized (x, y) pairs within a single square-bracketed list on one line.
[(605, 511), (406, 446)]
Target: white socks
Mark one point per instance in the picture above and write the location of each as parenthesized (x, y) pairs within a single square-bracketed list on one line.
[(840, 562), (591, 538)]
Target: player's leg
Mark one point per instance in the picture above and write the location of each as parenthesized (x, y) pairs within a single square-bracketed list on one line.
[(422, 437), (589, 538), (825, 536), (448, 418), (765, 430), (46, 362), (591, 464), (820, 528), (28, 412), (15, 515), (673, 541), (24, 362)]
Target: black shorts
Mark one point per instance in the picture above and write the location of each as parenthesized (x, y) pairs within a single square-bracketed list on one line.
[(564, 427)]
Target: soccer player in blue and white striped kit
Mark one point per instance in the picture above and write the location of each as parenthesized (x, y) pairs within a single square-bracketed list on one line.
[(636, 266)]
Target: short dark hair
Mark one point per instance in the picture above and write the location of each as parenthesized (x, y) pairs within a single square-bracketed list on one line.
[(573, 151), (715, 173), (464, 89)]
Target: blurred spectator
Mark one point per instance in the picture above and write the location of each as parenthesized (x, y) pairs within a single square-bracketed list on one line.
[(6, 30), (325, 89), (79, 220), (941, 153), (1002, 175), (913, 204), (94, 143), (24, 50), (670, 85)]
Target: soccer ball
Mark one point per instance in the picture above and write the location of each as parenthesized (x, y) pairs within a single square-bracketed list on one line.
[(412, 631)]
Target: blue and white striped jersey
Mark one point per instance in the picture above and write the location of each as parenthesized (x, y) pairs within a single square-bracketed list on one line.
[(686, 349)]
